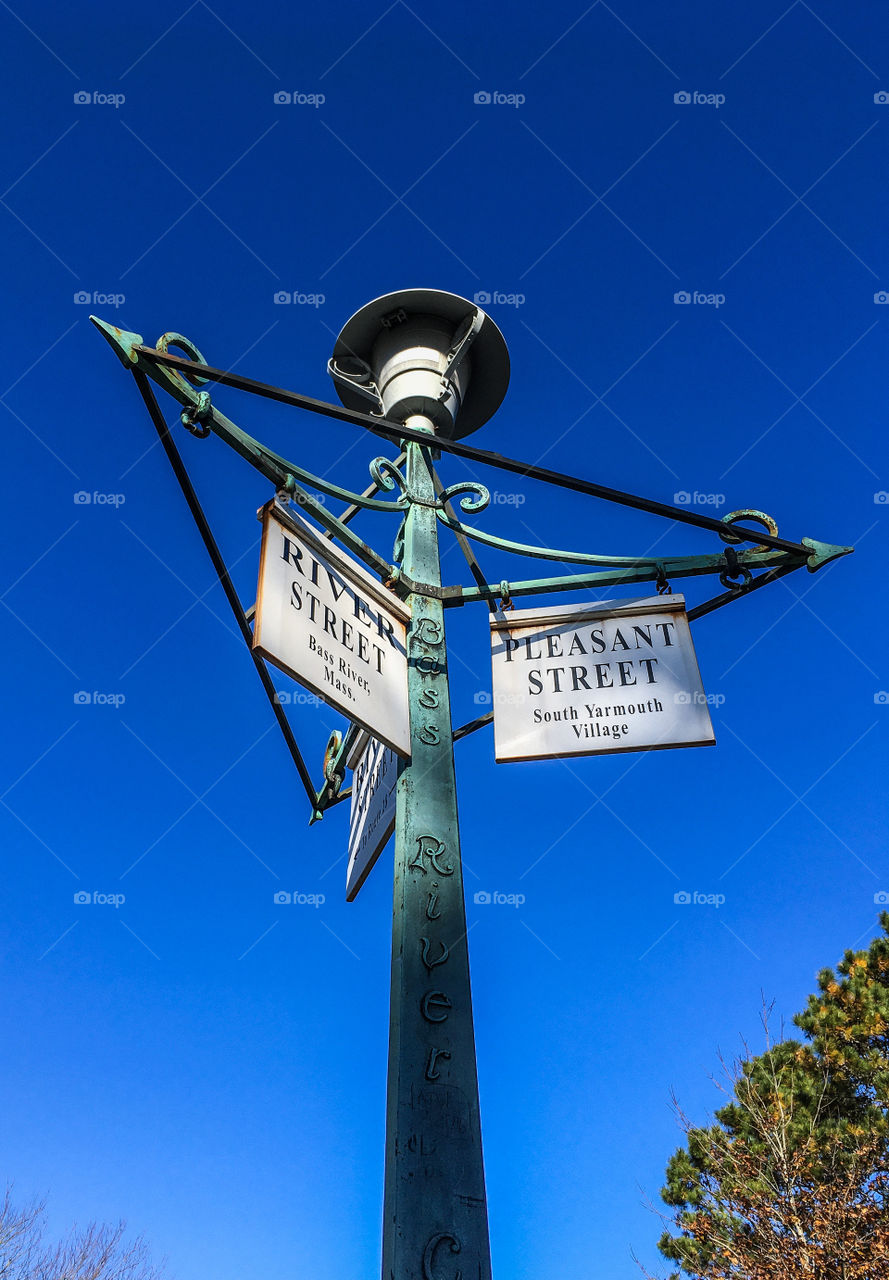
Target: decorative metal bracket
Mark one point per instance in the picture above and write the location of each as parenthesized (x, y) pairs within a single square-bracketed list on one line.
[(770, 556)]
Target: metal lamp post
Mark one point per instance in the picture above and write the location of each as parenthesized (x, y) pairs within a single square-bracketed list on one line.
[(422, 369), (428, 361)]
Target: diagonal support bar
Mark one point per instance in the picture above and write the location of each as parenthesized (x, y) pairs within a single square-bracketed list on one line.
[(222, 573), (131, 350), (670, 567)]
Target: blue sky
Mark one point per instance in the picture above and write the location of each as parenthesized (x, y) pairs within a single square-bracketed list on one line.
[(211, 1066)]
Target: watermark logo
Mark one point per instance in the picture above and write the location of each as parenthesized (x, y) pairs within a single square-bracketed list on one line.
[(881, 498), (283, 898), (881, 698), (694, 298), (499, 499), (485, 699), (308, 500), (881, 97), (486, 98), (881, 297), (84, 898), (286, 698), (83, 698), (83, 298), (284, 298), (881, 898), (684, 498), (83, 498), (685, 899), (483, 898), (497, 298), (686, 98), (84, 98), (297, 99), (698, 699)]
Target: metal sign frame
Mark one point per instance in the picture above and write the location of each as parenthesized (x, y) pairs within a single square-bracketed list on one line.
[(435, 1201)]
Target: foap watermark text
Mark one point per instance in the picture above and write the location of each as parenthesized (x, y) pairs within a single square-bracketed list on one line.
[(697, 899), (84, 898), (695, 298)]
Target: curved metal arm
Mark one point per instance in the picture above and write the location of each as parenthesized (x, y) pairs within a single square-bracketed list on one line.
[(273, 466), (546, 553)]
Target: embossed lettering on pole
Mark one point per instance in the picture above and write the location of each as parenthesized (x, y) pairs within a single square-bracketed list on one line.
[(326, 622), (614, 675)]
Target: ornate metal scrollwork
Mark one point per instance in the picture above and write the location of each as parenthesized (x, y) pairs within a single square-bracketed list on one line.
[(733, 571), (476, 496), (760, 517), (386, 476), (187, 380), (195, 418)]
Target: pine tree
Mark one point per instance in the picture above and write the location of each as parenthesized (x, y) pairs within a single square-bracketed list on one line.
[(792, 1179)]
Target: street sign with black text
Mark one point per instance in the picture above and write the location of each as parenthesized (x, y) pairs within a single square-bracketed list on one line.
[(614, 675), (322, 619)]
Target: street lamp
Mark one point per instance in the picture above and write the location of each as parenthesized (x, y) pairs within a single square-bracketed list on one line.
[(436, 363), (422, 369)]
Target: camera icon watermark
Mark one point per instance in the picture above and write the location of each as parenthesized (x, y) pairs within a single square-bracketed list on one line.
[(881, 698), (286, 698), (881, 898), (695, 698), (83, 698), (881, 297), (296, 99), (83, 298), (83, 898), (497, 298), (881, 498), (483, 898), (684, 98), (881, 97), (696, 899), (83, 498), (486, 98), (283, 898), (685, 498), (95, 98), (695, 298), (284, 298), (485, 699)]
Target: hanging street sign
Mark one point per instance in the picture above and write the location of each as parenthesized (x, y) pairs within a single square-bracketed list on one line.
[(322, 619), (614, 675), (372, 818)]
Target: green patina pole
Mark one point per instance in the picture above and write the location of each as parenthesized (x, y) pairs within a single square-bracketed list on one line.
[(435, 1223)]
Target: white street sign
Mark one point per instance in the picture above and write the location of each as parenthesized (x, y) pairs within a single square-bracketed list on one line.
[(614, 675), (372, 819), (326, 622)]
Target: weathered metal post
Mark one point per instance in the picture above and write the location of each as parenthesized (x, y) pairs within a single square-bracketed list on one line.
[(435, 1186), (440, 372)]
